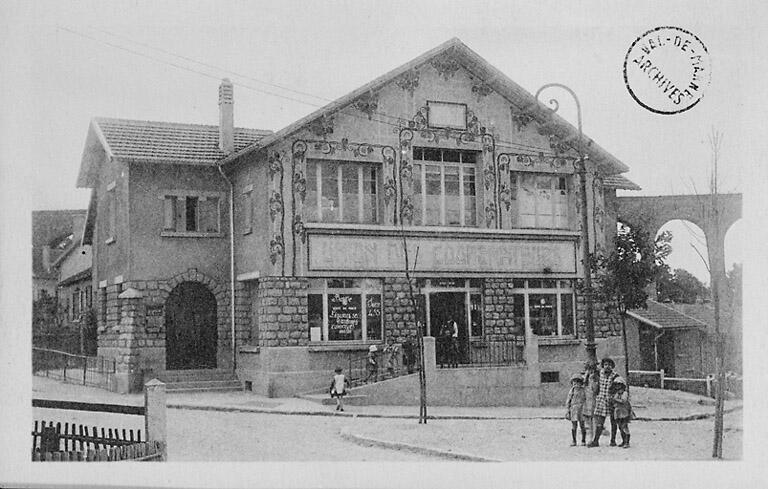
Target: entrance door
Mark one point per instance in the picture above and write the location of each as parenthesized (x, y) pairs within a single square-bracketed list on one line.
[(190, 327), (444, 307)]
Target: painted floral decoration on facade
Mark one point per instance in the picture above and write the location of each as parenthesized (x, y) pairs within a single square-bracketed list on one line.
[(322, 126), (331, 147), (490, 214), (298, 228), (367, 104), (481, 89), (521, 118), (300, 185), (446, 66), (276, 248), (406, 212), (408, 81), (558, 144), (389, 190), (489, 177), (275, 205), (275, 165), (505, 196)]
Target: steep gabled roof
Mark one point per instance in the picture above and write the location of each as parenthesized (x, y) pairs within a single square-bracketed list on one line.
[(158, 142), (661, 316), (480, 68)]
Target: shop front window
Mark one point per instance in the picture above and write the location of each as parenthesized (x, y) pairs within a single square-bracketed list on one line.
[(344, 310), (546, 306)]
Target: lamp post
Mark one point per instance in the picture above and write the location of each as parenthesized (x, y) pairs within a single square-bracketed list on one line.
[(581, 167)]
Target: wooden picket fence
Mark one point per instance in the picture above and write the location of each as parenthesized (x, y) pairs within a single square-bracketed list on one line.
[(70, 442), (137, 452)]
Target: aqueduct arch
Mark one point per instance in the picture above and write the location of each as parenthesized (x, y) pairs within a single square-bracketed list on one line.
[(653, 212)]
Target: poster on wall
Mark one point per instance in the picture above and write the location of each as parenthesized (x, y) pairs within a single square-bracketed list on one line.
[(344, 313)]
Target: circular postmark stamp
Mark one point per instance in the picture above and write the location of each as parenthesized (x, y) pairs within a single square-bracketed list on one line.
[(667, 69)]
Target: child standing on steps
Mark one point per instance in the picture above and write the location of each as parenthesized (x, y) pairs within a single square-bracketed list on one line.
[(339, 386), (574, 406)]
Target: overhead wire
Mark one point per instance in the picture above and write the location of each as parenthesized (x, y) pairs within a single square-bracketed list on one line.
[(498, 142)]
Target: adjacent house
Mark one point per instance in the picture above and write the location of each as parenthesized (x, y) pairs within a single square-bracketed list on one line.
[(663, 337), (277, 256), (52, 232)]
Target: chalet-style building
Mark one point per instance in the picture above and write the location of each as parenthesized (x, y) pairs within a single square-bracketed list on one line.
[(277, 255)]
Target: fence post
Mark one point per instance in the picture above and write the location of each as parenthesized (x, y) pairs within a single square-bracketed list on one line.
[(661, 378), (85, 368), (709, 385), (154, 418)]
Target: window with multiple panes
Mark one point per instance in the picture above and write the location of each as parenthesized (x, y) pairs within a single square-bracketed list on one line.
[(546, 306), (345, 309), (194, 213), (339, 191), (444, 187), (542, 200)]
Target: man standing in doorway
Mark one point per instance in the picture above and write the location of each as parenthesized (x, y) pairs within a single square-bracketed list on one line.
[(603, 405), (454, 348)]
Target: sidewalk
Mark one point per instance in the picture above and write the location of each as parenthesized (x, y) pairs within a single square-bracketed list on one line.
[(649, 404)]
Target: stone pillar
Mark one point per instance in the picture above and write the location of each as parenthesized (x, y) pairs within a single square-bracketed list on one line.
[(154, 417), (128, 375)]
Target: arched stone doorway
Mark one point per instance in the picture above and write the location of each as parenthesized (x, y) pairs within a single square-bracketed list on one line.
[(191, 334)]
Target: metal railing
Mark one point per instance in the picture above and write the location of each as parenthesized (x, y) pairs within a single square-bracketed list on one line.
[(80, 369), (485, 353), (404, 364)]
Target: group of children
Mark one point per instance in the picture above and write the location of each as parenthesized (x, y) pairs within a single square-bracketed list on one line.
[(593, 397)]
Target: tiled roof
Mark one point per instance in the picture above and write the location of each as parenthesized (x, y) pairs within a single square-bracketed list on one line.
[(620, 182), (665, 317), (169, 142), (480, 69)]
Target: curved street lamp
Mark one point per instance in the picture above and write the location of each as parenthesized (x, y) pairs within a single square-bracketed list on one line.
[(581, 167)]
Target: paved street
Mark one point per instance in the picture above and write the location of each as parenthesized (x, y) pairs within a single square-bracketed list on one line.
[(218, 427), (237, 437)]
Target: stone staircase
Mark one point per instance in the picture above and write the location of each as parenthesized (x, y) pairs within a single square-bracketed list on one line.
[(203, 380)]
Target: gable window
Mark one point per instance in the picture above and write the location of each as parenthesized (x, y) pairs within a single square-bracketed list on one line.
[(197, 214), (546, 306), (444, 187), (340, 191), (542, 200)]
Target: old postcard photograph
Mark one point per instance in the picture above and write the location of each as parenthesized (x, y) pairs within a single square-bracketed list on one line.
[(382, 244)]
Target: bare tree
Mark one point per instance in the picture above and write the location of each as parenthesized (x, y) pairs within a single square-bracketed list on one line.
[(717, 279), (418, 313)]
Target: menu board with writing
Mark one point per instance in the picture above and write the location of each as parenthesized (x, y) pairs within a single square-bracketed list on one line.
[(373, 316), (344, 317)]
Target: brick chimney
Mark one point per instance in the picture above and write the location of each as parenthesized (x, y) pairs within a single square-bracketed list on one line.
[(226, 117)]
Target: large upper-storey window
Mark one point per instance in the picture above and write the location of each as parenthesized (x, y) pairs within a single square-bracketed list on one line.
[(444, 187), (542, 200), (343, 191)]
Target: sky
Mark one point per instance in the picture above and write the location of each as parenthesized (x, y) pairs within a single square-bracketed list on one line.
[(72, 61)]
